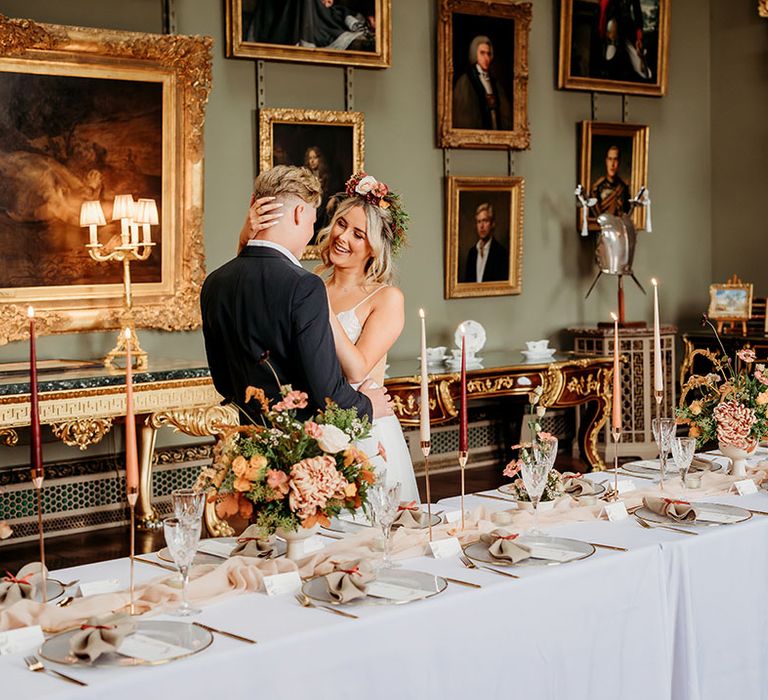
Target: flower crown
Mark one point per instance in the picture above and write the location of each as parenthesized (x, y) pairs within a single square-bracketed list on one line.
[(377, 193)]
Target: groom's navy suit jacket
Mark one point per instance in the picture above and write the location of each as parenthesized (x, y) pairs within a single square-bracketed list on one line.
[(259, 302)]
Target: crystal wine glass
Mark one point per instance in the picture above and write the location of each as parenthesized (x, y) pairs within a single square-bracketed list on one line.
[(384, 500), (663, 432), (535, 470), (188, 503), (182, 537), (683, 449)]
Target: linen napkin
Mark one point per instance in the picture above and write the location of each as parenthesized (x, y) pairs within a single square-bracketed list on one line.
[(502, 545), (677, 510), (22, 585), (250, 544), (575, 485), (100, 635), (702, 465), (409, 514), (349, 580)]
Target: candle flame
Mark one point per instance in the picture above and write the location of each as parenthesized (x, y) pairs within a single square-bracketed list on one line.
[(30, 311), (654, 282), (614, 316), (421, 313), (127, 333)]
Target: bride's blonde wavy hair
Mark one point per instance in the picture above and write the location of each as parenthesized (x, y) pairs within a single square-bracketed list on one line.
[(380, 268)]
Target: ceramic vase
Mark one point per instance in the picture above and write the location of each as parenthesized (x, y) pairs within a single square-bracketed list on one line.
[(295, 540)]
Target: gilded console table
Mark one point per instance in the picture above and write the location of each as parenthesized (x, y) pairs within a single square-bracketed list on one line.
[(81, 404), (567, 382)]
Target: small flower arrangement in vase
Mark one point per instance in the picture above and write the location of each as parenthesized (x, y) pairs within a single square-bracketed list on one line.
[(287, 476), (730, 407)]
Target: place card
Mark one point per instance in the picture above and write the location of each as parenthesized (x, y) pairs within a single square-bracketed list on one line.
[(551, 553), (625, 486), (712, 516), (615, 511), (452, 516), (98, 587), (391, 591), (360, 519), (140, 646), (745, 487), (442, 549), (216, 548), (282, 583), (21, 639)]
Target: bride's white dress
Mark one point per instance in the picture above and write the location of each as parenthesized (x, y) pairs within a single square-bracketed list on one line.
[(386, 430)]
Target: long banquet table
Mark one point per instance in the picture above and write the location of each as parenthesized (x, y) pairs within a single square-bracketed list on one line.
[(674, 617)]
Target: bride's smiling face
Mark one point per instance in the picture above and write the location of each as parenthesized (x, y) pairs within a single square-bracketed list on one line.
[(349, 247)]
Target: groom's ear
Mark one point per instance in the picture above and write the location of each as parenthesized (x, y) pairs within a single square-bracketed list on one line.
[(298, 210)]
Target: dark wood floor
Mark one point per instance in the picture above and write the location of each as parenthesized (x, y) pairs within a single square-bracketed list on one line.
[(112, 543)]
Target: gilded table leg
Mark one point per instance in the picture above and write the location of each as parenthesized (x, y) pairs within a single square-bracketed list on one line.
[(146, 517), (596, 414)]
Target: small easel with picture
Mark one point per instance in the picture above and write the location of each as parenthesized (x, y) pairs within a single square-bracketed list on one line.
[(730, 304)]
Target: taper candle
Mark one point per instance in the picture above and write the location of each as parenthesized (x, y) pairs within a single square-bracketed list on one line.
[(424, 398), (658, 376), (131, 455), (463, 427), (616, 417), (35, 445)]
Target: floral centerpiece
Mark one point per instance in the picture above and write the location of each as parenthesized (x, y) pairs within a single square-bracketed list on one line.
[(290, 474), (553, 487), (730, 407)]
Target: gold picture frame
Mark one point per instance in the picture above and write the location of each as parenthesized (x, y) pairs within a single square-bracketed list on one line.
[(290, 136), (596, 139), (607, 63), (507, 25), (467, 200), (239, 47), (175, 69), (730, 301)]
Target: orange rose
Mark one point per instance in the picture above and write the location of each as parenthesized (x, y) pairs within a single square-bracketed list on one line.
[(368, 476), (696, 408), (242, 485), (694, 430), (316, 519), (350, 490), (239, 465)]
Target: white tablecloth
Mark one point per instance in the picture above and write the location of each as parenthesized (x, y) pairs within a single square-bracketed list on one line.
[(675, 617)]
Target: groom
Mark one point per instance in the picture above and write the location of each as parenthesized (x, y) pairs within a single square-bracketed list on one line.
[(265, 301)]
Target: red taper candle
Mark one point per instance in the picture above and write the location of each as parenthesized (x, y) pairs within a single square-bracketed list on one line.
[(36, 445), (131, 455), (463, 428)]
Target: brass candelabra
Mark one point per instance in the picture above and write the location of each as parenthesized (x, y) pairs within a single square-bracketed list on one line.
[(135, 246)]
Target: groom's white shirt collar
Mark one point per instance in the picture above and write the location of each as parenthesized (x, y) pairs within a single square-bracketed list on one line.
[(281, 249)]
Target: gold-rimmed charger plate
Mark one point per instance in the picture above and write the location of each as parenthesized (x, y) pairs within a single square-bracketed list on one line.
[(734, 514), (191, 638), (208, 558), (428, 585), (53, 590), (574, 550)]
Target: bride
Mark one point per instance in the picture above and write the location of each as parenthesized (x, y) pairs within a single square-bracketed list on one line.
[(356, 249)]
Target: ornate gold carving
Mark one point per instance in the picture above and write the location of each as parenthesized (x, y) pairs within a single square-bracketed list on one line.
[(409, 407), (552, 382), (184, 63), (604, 406), (584, 386), (203, 422), (490, 385), (216, 526), (82, 432), (444, 392), (9, 437)]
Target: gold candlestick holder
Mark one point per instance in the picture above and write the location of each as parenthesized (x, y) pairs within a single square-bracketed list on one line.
[(659, 396), (616, 434), (426, 446), (133, 497), (132, 248), (37, 480), (463, 456)]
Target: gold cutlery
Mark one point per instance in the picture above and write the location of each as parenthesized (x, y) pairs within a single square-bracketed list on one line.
[(756, 512), (630, 474), (70, 584), (471, 565), (495, 498), (462, 583), (224, 633), (156, 563), (64, 602), (305, 602), (332, 537), (651, 526), (34, 664), (608, 546)]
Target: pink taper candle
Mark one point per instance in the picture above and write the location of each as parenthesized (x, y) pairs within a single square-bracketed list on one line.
[(424, 404), (36, 445), (463, 427), (131, 455), (658, 376), (616, 416)]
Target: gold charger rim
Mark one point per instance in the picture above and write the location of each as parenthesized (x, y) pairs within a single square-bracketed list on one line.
[(527, 562), (666, 520)]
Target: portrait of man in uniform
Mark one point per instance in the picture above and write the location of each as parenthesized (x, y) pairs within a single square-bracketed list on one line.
[(610, 190)]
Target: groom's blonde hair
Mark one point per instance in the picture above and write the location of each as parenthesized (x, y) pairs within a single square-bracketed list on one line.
[(286, 181)]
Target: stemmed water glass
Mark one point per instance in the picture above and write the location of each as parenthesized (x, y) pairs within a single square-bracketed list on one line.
[(683, 449), (182, 537), (384, 500), (188, 503), (663, 432), (535, 470)]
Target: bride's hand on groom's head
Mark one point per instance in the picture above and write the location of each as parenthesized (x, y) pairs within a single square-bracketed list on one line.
[(379, 398), (259, 215)]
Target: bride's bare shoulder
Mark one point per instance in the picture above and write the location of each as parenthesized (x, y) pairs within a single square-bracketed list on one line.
[(389, 297)]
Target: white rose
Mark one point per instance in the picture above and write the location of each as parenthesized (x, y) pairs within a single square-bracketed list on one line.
[(366, 184), (333, 439)]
